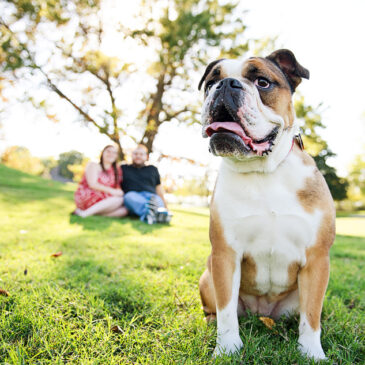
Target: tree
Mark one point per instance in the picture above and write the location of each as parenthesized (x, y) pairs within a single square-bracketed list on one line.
[(78, 170), (68, 159), (20, 158), (317, 147), (74, 34), (357, 182), (48, 163), (182, 34)]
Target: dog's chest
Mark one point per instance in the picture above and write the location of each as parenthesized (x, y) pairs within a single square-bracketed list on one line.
[(263, 220)]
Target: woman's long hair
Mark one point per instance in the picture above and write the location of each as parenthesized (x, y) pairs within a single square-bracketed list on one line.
[(114, 164)]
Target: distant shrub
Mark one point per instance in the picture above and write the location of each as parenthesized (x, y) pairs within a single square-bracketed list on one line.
[(66, 160), (21, 159), (78, 170)]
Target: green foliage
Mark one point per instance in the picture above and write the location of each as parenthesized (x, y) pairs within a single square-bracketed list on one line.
[(48, 163), (317, 147), (311, 121), (66, 159), (184, 37), (338, 185), (21, 159), (357, 182), (143, 279), (32, 13), (37, 11), (10, 51), (78, 170)]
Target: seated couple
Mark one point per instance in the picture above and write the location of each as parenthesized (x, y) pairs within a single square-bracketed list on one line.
[(112, 190)]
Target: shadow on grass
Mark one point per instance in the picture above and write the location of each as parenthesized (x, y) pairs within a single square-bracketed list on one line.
[(123, 296), (19, 195), (98, 223)]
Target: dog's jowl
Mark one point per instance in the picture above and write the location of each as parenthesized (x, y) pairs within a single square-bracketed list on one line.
[(272, 218)]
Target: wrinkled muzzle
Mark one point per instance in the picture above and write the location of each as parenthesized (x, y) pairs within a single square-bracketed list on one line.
[(234, 122)]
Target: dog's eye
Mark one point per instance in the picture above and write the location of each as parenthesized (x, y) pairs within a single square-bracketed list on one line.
[(262, 83), (208, 85)]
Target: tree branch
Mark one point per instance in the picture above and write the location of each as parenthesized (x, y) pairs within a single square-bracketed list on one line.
[(79, 109), (52, 84), (105, 81), (170, 116)]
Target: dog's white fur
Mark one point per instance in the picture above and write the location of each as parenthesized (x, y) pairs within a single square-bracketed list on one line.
[(262, 217)]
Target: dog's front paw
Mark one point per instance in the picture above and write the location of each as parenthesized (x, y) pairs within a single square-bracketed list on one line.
[(229, 344), (312, 350)]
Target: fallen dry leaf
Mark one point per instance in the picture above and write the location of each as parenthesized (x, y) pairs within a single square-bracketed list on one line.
[(268, 322), (4, 292), (351, 305), (116, 329), (57, 254)]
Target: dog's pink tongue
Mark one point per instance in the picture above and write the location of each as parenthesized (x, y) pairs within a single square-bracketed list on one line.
[(227, 126), (235, 128)]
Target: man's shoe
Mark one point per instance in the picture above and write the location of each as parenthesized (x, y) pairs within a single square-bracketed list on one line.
[(163, 215), (151, 211)]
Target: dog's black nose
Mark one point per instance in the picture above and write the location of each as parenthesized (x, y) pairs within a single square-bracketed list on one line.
[(229, 83)]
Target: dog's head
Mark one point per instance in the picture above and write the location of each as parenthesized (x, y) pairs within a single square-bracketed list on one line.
[(248, 112)]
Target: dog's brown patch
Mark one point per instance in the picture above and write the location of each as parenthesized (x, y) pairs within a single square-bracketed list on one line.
[(293, 270), (212, 72), (222, 74), (315, 194), (279, 98), (313, 278), (206, 290), (248, 276)]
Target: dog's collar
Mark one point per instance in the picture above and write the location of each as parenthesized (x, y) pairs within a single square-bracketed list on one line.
[(297, 138)]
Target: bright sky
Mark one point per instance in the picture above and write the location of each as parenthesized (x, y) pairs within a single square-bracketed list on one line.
[(326, 37)]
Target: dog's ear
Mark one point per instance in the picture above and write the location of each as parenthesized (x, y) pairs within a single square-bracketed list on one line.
[(207, 70), (293, 71)]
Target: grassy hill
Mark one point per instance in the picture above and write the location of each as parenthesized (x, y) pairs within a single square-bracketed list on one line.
[(144, 279)]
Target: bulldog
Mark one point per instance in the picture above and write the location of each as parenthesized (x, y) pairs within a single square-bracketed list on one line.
[(272, 217)]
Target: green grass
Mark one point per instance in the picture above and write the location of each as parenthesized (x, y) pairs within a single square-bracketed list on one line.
[(143, 279)]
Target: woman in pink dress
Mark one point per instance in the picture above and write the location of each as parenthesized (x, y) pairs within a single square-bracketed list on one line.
[(99, 191)]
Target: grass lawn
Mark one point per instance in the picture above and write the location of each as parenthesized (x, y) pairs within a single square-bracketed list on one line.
[(143, 279)]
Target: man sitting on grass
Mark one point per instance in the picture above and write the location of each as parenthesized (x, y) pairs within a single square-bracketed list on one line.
[(143, 191)]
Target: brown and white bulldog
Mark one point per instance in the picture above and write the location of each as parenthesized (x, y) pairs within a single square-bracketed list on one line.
[(272, 218)]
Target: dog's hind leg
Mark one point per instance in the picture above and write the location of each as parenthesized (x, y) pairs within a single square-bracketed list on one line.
[(207, 295), (313, 280)]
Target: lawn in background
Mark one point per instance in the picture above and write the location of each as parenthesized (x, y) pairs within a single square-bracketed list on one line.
[(143, 279)]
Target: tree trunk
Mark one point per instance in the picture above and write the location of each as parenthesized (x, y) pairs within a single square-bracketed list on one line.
[(121, 153), (149, 135), (116, 140)]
